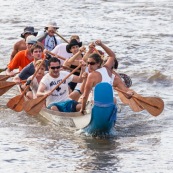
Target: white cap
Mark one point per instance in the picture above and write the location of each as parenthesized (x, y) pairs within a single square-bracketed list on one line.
[(31, 39)]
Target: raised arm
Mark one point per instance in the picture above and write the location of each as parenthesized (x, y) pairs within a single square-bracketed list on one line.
[(110, 61), (90, 51), (74, 57)]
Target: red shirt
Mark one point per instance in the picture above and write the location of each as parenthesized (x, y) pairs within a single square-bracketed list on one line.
[(19, 61)]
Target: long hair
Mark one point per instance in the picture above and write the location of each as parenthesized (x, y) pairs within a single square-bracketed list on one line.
[(97, 58)]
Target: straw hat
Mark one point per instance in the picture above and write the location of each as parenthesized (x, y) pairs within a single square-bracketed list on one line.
[(51, 24)]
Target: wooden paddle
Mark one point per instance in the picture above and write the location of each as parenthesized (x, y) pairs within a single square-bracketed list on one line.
[(6, 85), (17, 102), (33, 107), (61, 37), (131, 102), (5, 77), (154, 105), (102, 56), (1, 70), (57, 56)]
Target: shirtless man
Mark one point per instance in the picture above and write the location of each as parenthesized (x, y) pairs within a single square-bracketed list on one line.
[(21, 44)]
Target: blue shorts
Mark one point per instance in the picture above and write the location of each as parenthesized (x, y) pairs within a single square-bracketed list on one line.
[(66, 106)]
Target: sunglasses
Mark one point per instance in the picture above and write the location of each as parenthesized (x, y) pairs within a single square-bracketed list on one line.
[(91, 63), (57, 67)]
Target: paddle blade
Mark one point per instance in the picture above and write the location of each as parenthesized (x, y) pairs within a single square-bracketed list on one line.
[(4, 90), (154, 105), (5, 86), (16, 103), (4, 77), (33, 107), (135, 106), (1, 70), (123, 98), (131, 102)]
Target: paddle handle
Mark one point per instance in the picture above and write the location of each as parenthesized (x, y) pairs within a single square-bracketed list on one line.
[(61, 37), (65, 79), (57, 56), (27, 87), (98, 52), (138, 98)]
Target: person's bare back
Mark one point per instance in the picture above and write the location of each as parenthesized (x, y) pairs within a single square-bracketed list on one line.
[(18, 46)]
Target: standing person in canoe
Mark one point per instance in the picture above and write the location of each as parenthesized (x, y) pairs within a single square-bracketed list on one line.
[(97, 73), (22, 58), (21, 44), (58, 100), (47, 37)]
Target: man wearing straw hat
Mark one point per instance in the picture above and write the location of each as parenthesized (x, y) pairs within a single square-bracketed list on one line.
[(47, 37)]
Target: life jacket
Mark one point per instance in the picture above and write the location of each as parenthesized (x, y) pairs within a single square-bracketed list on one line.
[(42, 39)]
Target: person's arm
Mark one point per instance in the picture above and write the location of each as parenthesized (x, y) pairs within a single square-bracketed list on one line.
[(15, 50), (73, 58), (14, 64), (84, 77), (9, 72), (41, 90), (88, 87), (78, 79), (120, 85), (89, 52), (16, 79), (110, 61)]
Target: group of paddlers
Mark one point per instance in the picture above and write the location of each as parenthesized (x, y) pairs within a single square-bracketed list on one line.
[(44, 62)]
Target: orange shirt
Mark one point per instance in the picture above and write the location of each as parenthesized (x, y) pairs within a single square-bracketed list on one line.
[(19, 61)]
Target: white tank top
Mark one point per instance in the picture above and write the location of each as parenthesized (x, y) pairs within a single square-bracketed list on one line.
[(105, 75), (105, 78)]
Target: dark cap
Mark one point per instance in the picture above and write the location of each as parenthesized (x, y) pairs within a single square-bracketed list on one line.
[(73, 42), (28, 29)]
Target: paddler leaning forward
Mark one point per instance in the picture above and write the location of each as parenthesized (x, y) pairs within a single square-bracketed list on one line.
[(59, 100), (99, 74)]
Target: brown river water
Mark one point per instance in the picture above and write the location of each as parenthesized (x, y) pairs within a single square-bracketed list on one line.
[(141, 34)]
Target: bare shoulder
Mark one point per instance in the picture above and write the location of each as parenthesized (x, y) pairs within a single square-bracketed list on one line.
[(20, 45), (95, 76)]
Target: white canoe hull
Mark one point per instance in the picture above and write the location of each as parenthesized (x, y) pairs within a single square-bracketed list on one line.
[(73, 119)]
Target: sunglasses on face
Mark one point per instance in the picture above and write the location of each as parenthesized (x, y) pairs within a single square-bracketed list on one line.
[(57, 67), (30, 44), (91, 63)]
